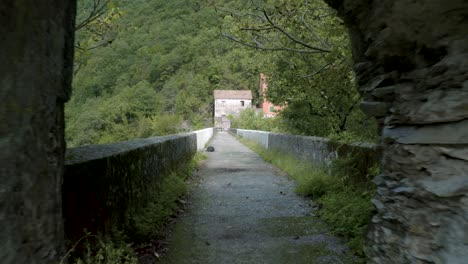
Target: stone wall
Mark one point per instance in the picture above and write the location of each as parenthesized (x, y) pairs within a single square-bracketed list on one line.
[(36, 53), (411, 64), (203, 137), (261, 137), (315, 149), (104, 183)]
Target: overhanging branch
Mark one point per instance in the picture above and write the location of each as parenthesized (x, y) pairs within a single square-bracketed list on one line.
[(98, 10), (291, 37), (259, 46)]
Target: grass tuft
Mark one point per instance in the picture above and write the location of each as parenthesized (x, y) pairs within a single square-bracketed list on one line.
[(316, 182), (99, 249), (349, 212)]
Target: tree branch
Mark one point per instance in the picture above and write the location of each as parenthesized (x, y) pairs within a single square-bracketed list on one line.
[(292, 38), (309, 28), (257, 29), (261, 47), (98, 10), (317, 71)]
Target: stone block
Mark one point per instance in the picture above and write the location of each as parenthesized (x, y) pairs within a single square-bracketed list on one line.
[(446, 133), (372, 108)]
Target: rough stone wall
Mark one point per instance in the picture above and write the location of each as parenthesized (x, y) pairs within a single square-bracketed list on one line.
[(411, 61), (36, 54)]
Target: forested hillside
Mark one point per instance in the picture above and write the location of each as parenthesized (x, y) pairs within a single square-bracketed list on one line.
[(159, 65), (148, 67)]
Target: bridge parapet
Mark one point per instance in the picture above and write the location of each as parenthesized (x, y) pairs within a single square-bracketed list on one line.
[(104, 183), (261, 137), (315, 149)]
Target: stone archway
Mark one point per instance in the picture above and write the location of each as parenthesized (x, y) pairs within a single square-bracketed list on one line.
[(411, 62), (412, 67)]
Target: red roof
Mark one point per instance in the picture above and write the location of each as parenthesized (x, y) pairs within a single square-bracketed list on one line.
[(233, 94)]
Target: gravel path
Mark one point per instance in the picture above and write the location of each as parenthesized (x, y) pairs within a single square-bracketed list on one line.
[(244, 210)]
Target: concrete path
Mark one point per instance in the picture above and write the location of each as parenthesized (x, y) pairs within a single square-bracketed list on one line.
[(244, 210)]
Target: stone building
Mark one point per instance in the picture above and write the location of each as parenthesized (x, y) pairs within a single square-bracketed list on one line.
[(230, 102)]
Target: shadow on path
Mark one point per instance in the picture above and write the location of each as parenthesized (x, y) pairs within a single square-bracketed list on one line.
[(244, 210)]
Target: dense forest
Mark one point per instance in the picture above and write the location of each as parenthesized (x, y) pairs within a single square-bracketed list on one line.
[(149, 67)]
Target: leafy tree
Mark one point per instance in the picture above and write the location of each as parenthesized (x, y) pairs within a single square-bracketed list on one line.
[(251, 119), (150, 67), (309, 65)]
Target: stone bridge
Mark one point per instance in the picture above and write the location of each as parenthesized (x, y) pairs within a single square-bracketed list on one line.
[(411, 64), (103, 184)]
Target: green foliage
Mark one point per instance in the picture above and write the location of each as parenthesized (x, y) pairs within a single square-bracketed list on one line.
[(251, 119), (356, 165), (95, 27), (181, 56), (345, 137), (316, 182), (131, 112), (158, 72), (104, 251), (158, 125), (348, 210), (345, 194), (308, 62)]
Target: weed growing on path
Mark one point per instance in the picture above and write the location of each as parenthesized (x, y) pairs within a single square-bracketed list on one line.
[(344, 190)]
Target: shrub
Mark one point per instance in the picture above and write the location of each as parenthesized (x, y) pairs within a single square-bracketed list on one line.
[(348, 211), (251, 119), (97, 249), (106, 252), (316, 182)]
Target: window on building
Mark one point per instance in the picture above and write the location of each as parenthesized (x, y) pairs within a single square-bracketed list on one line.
[(223, 103), (272, 108), (242, 103)]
